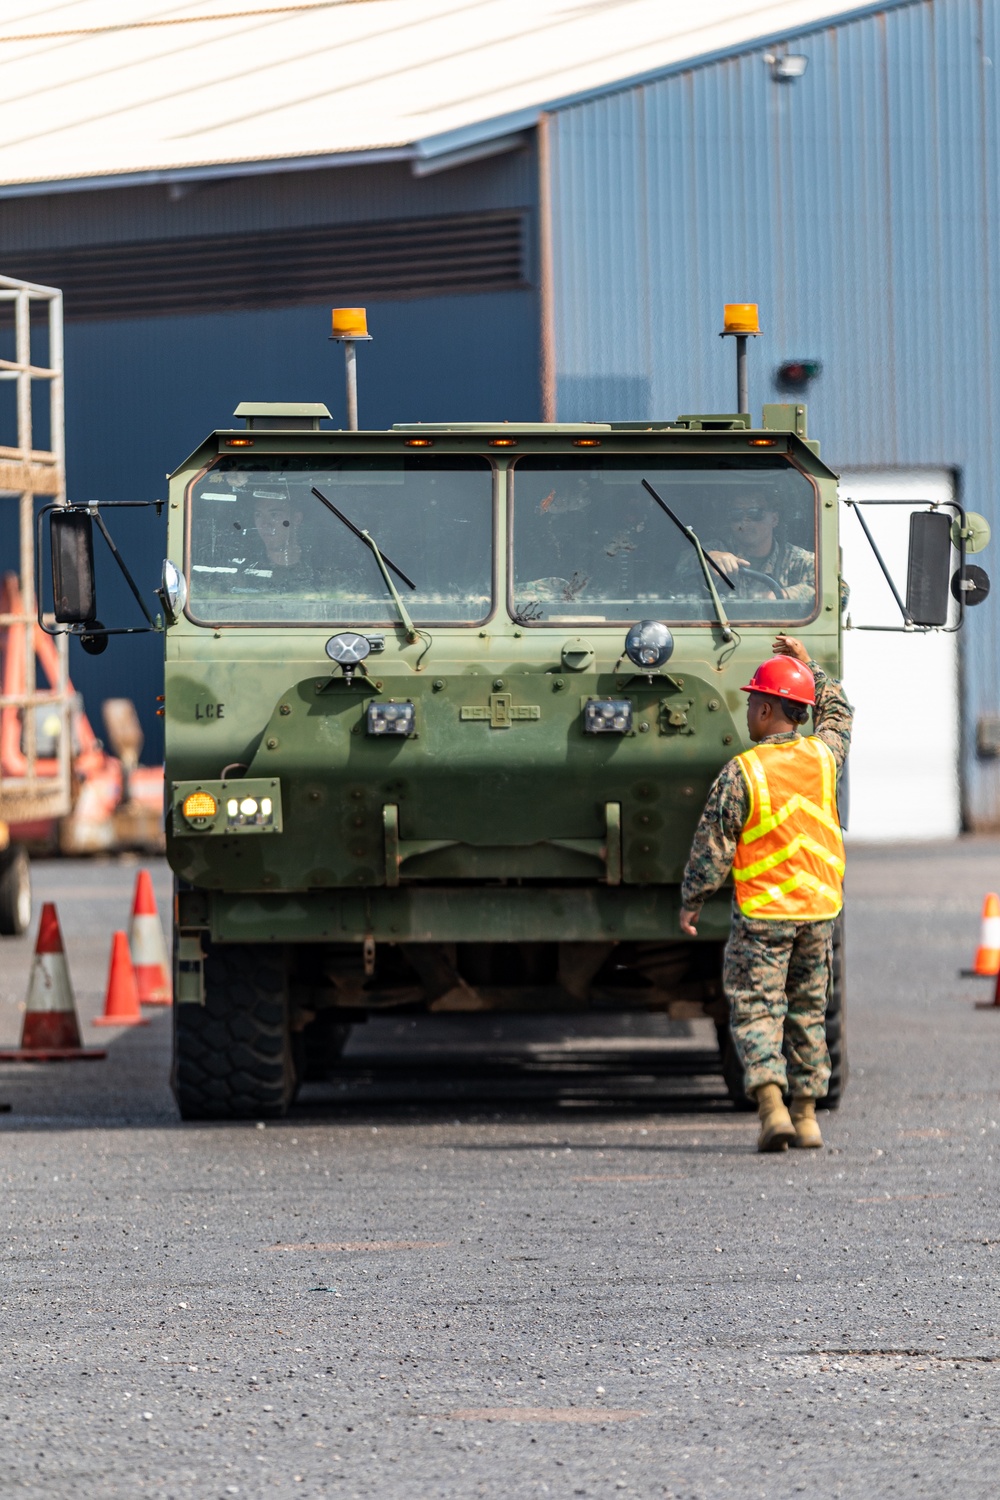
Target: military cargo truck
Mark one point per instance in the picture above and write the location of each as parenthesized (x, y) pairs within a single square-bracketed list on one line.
[(442, 706)]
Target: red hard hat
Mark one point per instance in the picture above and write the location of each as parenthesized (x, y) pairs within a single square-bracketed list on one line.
[(783, 677)]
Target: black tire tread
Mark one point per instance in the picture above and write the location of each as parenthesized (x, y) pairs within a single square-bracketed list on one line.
[(14, 870), (233, 1055)]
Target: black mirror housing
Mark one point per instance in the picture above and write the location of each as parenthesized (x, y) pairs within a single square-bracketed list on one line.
[(71, 533), (929, 568)]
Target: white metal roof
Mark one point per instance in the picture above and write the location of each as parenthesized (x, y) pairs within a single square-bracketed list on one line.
[(130, 88)]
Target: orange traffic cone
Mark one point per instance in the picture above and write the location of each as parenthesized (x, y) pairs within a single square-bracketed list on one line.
[(148, 946), (51, 1031), (121, 1003), (986, 964)]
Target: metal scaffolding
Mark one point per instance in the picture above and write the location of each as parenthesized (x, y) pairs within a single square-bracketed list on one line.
[(31, 786)]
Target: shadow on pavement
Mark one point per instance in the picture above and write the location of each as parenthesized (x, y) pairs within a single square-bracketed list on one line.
[(417, 1069)]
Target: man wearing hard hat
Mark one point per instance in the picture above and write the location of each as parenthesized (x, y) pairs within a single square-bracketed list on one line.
[(771, 818)]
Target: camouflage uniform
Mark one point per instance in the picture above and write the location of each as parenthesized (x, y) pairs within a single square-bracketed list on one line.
[(776, 974), (793, 567)]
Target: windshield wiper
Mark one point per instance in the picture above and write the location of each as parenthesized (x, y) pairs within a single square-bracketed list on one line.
[(384, 564), (706, 561)]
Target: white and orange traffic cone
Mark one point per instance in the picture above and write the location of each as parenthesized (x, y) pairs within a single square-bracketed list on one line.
[(51, 1031), (986, 964), (121, 1000), (148, 946)]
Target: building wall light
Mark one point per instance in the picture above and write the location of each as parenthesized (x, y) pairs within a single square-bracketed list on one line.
[(786, 66)]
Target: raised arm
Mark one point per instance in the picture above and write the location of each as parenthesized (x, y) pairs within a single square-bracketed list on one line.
[(833, 715)]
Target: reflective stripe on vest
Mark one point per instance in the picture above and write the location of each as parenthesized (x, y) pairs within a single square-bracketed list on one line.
[(789, 864)]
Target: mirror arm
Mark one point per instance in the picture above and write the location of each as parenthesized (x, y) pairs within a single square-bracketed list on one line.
[(908, 627), (121, 563), (856, 507)]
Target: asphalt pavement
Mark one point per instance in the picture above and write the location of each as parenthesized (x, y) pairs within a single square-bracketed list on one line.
[(511, 1258)]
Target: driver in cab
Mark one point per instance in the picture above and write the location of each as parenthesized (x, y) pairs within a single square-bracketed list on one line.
[(279, 559), (752, 543)]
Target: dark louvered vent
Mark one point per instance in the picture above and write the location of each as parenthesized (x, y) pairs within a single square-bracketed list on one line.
[(399, 258)]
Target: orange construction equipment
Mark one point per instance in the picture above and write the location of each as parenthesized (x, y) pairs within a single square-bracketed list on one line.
[(148, 946), (121, 1002), (112, 801), (51, 1031), (986, 964)]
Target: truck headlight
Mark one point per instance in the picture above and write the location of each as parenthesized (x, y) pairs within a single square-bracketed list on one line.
[(390, 718), (607, 716), (252, 812), (649, 644)]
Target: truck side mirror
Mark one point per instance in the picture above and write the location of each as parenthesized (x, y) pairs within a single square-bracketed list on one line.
[(928, 571), (71, 534)]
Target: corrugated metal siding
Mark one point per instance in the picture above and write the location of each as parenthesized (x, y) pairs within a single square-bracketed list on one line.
[(248, 205), (279, 268), (859, 205)]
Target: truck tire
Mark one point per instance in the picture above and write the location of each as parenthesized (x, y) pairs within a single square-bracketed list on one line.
[(233, 1055), (732, 1068), (15, 891)]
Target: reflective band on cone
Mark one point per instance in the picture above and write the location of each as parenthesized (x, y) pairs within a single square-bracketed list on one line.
[(986, 964), (148, 946), (121, 1003), (51, 1031)]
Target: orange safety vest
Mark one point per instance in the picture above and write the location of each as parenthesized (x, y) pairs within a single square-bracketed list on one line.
[(789, 864)]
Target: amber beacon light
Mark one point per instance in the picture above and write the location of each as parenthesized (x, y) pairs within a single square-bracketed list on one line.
[(350, 327), (741, 317), (350, 323), (741, 321)]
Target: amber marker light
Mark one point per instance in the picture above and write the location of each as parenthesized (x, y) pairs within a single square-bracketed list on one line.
[(419, 442), (503, 442), (762, 442), (741, 317), (586, 442), (239, 442), (199, 805)]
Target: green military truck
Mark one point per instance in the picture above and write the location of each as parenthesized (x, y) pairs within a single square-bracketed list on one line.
[(442, 706)]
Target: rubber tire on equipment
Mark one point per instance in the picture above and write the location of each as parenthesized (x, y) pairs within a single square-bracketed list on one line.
[(15, 891), (233, 1056), (732, 1068)]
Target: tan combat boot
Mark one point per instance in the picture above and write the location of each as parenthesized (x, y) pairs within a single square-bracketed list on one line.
[(803, 1113), (776, 1129)]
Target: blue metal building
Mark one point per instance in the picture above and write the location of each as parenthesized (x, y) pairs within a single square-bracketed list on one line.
[(580, 272), (858, 203)]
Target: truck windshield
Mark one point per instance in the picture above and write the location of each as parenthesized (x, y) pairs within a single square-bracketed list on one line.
[(264, 550), (589, 543)]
